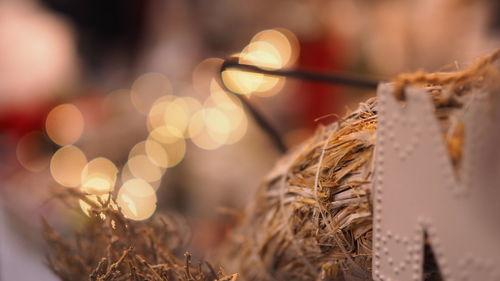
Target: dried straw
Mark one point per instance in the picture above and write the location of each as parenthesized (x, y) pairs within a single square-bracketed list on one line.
[(113, 248), (311, 218)]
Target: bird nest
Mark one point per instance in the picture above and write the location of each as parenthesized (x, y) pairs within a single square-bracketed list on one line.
[(311, 218)]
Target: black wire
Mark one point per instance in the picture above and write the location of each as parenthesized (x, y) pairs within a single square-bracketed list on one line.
[(333, 78), (262, 122)]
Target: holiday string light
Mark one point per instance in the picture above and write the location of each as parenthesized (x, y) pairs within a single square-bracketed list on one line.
[(211, 123)]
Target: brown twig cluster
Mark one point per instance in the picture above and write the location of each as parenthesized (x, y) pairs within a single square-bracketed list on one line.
[(113, 248)]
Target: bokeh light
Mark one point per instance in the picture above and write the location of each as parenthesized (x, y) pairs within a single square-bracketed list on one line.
[(138, 149), (156, 153), (127, 175), (173, 115), (204, 72), (147, 88), (176, 117), (137, 199), (269, 49), (99, 176), (163, 135), (32, 151), (209, 128), (242, 82), (154, 150), (232, 108), (64, 124), (218, 119), (217, 123), (174, 146), (284, 41), (221, 121), (262, 54), (141, 166), (156, 115), (190, 106), (66, 166)]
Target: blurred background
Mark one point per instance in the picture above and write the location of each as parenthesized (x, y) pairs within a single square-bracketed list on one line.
[(124, 96)]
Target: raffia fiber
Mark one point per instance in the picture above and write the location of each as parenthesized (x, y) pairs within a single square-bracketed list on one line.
[(311, 218)]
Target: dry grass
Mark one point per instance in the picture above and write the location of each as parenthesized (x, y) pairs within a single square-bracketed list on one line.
[(113, 248), (312, 215)]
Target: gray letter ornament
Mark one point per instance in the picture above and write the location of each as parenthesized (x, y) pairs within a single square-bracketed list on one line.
[(416, 190)]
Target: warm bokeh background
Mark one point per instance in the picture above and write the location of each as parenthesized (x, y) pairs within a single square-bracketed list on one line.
[(123, 95)]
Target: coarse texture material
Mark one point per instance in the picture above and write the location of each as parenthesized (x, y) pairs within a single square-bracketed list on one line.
[(311, 218), (113, 248)]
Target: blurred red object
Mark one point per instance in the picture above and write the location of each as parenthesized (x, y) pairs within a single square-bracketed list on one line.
[(316, 99)]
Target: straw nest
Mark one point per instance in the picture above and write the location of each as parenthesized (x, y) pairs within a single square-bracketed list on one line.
[(311, 218), (112, 248)]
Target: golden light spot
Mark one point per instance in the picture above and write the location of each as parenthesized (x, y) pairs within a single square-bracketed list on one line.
[(190, 105), (163, 135), (197, 124), (151, 148), (175, 152), (32, 151), (156, 153), (172, 114), (294, 46), (99, 176), (204, 73), (265, 55), (97, 185), (284, 41), (219, 95), (141, 166), (233, 110), (176, 117), (127, 175), (147, 89), (138, 149), (66, 166), (137, 199), (209, 128), (199, 134), (227, 103), (239, 132), (174, 147), (242, 82), (217, 123), (262, 54), (156, 115), (270, 86), (64, 124), (269, 49)]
